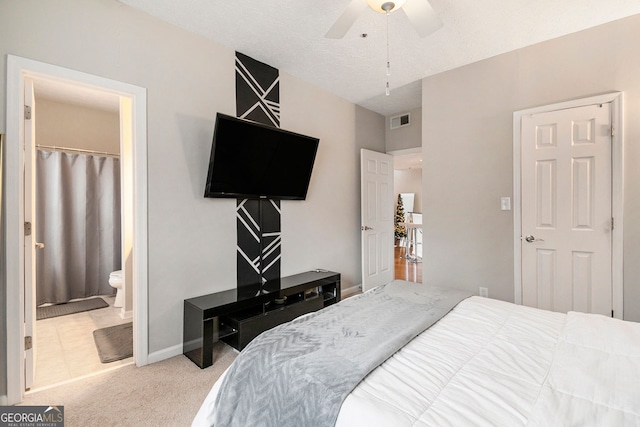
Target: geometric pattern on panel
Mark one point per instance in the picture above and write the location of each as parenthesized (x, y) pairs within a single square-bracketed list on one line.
[(259, 246), (271, 244), (258, 221), (257, 91), (248, 249)]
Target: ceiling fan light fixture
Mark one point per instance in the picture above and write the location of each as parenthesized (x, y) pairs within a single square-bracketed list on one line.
[(383, 6)]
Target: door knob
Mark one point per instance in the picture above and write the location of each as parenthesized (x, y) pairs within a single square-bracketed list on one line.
[(39, 245), (532, 239), (366, 227)]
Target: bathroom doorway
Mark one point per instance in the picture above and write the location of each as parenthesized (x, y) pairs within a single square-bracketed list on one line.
[(78, 229), (20, 243)]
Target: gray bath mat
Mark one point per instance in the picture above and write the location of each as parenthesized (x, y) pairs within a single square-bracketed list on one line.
[(69, 308), (114, 343)]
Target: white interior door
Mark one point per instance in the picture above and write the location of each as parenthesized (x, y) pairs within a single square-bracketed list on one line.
[(30, 244), (377, 206), (567, 210)]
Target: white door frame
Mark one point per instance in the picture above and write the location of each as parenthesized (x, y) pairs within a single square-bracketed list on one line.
[(617, 193), (17, 70)]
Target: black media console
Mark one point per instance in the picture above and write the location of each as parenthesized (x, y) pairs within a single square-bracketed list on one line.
[(236, 321)]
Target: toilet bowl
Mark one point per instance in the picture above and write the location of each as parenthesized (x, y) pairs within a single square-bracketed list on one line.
[(115, 280)]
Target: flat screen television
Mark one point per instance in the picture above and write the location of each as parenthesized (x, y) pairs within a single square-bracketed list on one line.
[(250, 160)]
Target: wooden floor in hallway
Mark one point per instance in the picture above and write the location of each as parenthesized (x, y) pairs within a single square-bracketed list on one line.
[(406, 269)]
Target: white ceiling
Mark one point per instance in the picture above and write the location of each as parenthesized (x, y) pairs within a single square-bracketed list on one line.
[(289, 35)]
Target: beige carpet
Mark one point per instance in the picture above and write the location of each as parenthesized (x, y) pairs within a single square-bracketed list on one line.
[(167, 393)]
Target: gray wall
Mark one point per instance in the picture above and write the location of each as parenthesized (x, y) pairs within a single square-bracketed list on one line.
[(467, 150), (3, 326), (404, 137), (192, 241)]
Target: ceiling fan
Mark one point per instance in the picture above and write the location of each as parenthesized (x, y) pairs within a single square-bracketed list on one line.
[(420, 13)]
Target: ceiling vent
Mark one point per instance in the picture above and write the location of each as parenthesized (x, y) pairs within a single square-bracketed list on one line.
[(400, 121)]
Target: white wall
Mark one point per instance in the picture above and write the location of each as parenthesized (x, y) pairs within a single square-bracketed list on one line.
[(467, 151), (324, 231), (192, 240), (74, 126), (405, 137), (409, 181)]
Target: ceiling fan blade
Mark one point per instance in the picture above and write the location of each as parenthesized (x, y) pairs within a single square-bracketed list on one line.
[(346, 20), (422, 17)]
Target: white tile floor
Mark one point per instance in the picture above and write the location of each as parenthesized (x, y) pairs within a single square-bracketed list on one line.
[(65, 348)]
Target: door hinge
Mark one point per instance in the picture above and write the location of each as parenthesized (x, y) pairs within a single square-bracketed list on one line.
[(27, 112), (612, 223), (612, 313), (27, 229), (28, 343), (613, 130)]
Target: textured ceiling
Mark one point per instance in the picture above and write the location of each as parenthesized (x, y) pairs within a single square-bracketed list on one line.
[(289, 35)]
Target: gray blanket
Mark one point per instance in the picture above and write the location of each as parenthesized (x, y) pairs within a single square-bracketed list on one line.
[(299, 373)]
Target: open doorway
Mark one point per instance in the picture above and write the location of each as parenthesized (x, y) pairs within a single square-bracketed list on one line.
[(407, 165), (80, 289), (20, 241)]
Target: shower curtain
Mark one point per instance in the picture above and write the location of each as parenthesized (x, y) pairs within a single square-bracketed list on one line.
[(78, 220)]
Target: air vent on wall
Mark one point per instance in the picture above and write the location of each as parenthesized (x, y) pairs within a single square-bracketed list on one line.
[(400, 121)]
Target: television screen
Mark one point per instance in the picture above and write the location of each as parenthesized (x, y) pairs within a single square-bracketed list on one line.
[(251, 160)]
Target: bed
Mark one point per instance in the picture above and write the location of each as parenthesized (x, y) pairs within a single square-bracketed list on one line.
[(488, 362)]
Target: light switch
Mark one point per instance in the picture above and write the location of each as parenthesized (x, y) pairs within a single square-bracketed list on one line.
[(505, 203)]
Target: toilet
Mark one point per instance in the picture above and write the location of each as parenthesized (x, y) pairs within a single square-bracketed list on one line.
[(115, 280)]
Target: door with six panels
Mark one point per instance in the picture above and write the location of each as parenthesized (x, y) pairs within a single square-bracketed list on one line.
[(566, 210)]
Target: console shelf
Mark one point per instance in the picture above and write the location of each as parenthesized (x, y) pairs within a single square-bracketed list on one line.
[(236, 321)]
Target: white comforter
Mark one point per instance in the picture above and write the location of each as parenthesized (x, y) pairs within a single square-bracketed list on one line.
[(498, 364)]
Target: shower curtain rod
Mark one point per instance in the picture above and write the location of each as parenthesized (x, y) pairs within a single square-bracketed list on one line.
[(76, 150)]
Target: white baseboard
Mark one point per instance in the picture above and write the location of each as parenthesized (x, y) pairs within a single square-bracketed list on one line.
[(165, 353), (350, 291)]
